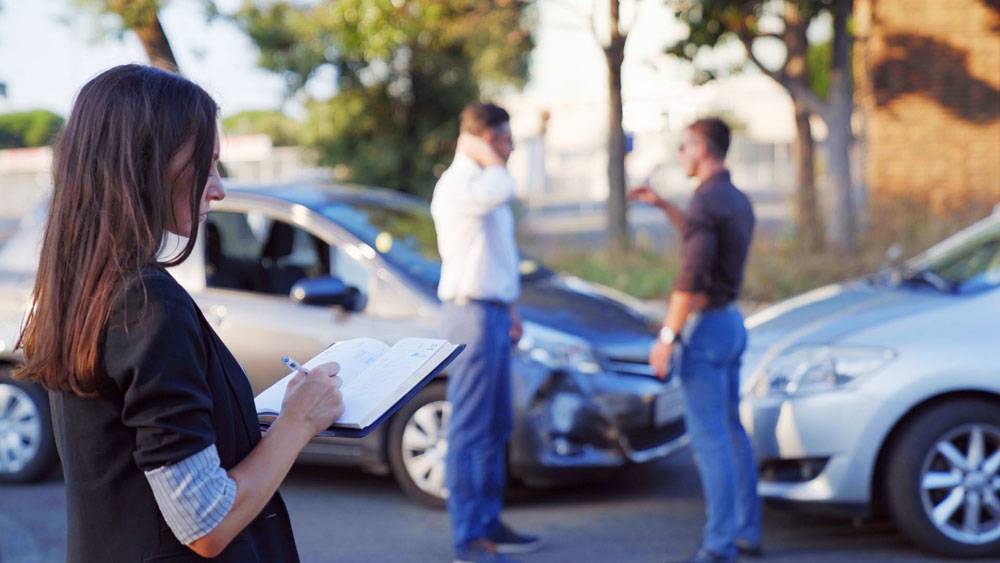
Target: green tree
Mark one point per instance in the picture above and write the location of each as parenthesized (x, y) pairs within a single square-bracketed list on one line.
[(614, 55), (612, 40), (816, 77), (35, 128), (283, 130), (402, 72)]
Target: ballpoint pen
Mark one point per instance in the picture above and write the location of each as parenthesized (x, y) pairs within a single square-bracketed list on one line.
[(292, 364), (295, 366)]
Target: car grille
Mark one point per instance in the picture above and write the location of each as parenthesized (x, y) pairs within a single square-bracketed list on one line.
[(651, 437), (628, 366)]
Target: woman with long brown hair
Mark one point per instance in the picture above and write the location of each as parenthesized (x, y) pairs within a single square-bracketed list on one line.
[(154, 420)]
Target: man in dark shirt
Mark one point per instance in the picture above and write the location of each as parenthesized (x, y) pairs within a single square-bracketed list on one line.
[(716, 230)]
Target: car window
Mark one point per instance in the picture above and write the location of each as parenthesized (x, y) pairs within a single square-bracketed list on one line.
[(253, 252), (969, 261), (403, 233)]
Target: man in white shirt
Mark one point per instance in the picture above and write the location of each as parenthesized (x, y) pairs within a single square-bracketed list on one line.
[(480, 283)]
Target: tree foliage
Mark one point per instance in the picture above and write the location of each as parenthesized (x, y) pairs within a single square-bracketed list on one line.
[(34, 128), (402, 72), (283, 130), (816, 77)]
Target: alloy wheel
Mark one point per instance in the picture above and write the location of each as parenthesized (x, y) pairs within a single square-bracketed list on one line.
[(20, 428), (960, 484), (425, 446)]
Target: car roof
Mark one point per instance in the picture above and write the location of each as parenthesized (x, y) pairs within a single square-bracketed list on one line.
[(316, 196)]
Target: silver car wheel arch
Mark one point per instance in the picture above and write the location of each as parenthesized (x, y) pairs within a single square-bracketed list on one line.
[(20, 428), (424, 447), (955, 500)]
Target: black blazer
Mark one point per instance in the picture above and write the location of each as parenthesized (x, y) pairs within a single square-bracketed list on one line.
[(172, 389)]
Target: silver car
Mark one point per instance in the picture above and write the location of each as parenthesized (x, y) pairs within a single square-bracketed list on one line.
[(289, 269), (885, 393)]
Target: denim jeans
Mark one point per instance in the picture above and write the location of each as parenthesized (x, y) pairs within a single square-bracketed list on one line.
[(710, 377), (481, 417)]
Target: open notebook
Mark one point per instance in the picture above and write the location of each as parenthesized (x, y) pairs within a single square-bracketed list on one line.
[(377, 379)]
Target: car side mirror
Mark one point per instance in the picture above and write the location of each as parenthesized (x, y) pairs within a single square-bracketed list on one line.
[(893, 254), (328, 290)]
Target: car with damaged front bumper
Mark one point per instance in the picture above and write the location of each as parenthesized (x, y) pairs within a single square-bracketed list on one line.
[(288, 269)]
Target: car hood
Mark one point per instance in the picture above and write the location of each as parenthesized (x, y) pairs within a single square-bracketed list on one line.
[(609, 321), (829, 314)]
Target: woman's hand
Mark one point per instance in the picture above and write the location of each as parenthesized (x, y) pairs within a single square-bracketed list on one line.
[(312, 403), (313, 399)]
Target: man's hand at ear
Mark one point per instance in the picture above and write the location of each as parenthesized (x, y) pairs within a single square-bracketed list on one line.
[(478, 150)]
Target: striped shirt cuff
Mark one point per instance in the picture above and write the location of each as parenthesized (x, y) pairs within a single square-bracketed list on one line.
[(194, 494)]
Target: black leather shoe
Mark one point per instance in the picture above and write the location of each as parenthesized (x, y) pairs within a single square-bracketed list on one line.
[(747, 549)]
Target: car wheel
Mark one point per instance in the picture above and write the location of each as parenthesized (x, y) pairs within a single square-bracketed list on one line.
[(418, 444), (27, 448), (943, 479)]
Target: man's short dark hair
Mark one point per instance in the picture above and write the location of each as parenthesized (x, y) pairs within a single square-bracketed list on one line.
[(478, 117), (715, 133)]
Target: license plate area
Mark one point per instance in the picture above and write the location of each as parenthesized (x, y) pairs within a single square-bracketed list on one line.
[(667, 408)]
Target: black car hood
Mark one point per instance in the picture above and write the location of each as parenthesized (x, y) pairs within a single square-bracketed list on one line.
[(585, 310)]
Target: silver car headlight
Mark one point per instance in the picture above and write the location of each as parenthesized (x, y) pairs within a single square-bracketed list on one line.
[(817, 368), (556, 349)]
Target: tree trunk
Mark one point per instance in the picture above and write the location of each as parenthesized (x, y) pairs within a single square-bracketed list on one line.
[(618, 232), (838, 120), (154, 41), (808, 220)]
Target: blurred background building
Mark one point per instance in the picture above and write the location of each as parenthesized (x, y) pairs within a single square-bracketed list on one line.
[(929, 90)]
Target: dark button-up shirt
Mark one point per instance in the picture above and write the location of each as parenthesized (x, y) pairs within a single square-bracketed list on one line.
[(717, 231)]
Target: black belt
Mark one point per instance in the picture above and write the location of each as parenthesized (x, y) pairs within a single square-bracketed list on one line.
[(478, 301)]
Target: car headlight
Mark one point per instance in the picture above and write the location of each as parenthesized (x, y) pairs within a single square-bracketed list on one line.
[(819, 368), (556, 349)]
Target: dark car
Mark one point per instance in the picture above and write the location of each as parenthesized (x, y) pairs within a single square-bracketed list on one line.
[(584, 397)]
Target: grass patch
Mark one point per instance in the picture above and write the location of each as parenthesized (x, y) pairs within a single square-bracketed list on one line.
[(778, 267)]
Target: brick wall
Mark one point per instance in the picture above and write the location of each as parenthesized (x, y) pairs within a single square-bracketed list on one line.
[(928, 88)]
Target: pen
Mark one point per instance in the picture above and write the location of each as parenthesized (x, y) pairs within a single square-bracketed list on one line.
[(292, 364), (295, 366)]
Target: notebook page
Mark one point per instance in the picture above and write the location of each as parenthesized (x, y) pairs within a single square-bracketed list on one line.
[(386, 380), (354, 357)]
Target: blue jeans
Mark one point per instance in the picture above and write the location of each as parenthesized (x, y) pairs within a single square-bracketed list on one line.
[(481, 418), (710, 377)]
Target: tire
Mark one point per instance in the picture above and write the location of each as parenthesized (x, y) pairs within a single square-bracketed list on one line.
[(27, 446), (943, 476), (418, 442)]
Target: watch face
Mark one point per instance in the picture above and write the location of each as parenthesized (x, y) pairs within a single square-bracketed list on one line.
[(667, 335)]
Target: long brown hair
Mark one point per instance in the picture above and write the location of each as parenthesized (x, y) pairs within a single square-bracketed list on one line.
[(112, 202)]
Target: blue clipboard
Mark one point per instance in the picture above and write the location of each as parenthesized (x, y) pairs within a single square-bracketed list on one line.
[(338, 432)]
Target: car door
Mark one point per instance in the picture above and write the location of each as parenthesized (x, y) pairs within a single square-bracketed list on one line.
[(252, 259)]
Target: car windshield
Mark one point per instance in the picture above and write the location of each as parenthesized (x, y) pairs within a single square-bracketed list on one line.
[(403, 233), (966, 262)]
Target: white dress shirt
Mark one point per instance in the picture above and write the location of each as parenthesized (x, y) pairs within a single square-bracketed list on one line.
[(475, 233), (194, 494)]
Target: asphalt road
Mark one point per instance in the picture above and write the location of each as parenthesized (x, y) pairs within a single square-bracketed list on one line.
[(649, 513)]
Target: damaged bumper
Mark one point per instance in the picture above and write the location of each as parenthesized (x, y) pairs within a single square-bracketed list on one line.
[(581, 423)]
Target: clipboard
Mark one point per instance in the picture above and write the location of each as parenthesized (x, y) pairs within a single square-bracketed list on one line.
[(335, 432)]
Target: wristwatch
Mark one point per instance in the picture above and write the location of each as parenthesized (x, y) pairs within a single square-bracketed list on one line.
[(667, 335)]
